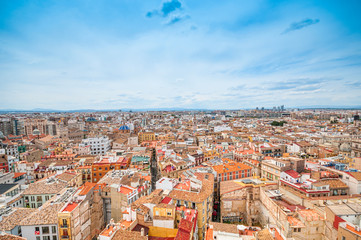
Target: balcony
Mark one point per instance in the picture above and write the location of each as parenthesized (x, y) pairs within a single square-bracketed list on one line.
[(64, 226), (64, 236)]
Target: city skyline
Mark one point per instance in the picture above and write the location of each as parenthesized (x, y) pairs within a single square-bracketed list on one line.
[(179, 54)]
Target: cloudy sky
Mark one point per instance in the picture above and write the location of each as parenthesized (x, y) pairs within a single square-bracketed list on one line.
[(211, 54)]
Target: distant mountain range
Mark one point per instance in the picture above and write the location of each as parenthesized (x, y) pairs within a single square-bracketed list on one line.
[(45, 110), (100, 110)]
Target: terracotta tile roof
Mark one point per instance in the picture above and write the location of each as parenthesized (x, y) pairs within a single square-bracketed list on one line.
[(198, 197), (264, 235), (6, 236), (18, 174), (66, 176), (230, 166), (333, 183), (70, 207), (86, 187), (294, 222), (356, 175), (128, 235), (11, 221), (310, 215), (166, 200), (155, 198), (46, 215), (293, 173), (42, 187), (224, 227)]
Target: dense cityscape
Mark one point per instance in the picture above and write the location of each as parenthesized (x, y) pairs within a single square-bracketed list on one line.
[(180, 120), (246, 174)]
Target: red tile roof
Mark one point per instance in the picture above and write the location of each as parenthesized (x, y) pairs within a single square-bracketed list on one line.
[(70, 207), (18, 174), (166, 200), (293, 173)]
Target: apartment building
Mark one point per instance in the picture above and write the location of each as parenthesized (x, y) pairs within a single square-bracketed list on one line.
[(4, 165), (145, 137), (30, 124), (240, 199), (270, 150), (356, 148), (12, 149), (107, 163), (82, 216), (41, 191), (10, 194), (42, 224), (226, 169), (121, 197), (355, 163), (271, 169), (10, 222), (195, 191), (98, 145), (122, 187)]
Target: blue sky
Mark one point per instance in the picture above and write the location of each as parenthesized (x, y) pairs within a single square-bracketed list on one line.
[(179, 53)]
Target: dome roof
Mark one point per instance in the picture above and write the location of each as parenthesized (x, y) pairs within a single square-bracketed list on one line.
[(124, 127), (91, 119), (345, 147), (36, 132)]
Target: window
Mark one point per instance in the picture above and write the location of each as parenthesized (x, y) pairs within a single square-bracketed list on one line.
[(46, 237), (55, 238), (46, 198), (38, 238), (46, 230), (32, 198), (65, 232), (39, 199), (37, 229), (53, 229), (169, 213)]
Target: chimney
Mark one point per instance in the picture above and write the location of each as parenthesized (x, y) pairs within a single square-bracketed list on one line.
[(142, 232)]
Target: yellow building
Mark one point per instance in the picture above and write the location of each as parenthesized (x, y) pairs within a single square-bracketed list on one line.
[(146, 136), (355, 163), (210, 154), (82, 217), (196, 193)]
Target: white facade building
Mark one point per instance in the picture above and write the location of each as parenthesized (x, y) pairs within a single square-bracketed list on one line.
[(98, 145)]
